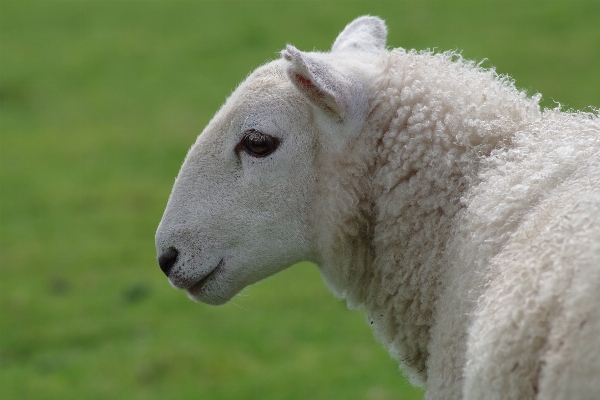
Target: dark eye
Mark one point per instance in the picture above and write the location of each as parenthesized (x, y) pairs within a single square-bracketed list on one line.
[(258, 144)]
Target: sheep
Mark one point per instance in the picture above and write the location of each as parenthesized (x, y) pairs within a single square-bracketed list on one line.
[(431, 193)]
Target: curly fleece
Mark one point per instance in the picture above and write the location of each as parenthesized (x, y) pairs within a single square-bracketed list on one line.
[(431, 202)]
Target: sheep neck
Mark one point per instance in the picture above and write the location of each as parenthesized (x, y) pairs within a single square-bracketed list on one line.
[(434, 119)]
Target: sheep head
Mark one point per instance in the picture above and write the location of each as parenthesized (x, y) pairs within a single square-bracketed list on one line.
[(240, 209)]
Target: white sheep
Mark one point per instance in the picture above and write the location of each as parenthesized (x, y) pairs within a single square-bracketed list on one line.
[(430, 192)]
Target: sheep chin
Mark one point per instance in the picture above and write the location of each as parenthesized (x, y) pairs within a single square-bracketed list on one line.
[(212, 289)]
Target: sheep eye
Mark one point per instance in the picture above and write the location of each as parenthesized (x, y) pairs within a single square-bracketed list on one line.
[(257, 144)]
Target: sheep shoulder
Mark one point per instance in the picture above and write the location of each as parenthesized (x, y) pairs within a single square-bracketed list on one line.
[(534, 240)]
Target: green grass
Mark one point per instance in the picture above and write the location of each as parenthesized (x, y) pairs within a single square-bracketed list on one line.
[(100, 101)]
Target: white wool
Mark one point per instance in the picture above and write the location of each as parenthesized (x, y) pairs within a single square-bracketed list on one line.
[(431, 192), (435, 116)]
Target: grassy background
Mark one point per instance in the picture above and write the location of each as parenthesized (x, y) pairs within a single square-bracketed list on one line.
[(100, 101)]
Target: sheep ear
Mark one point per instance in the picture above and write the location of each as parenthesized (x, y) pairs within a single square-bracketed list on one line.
[(367, 34), (323, 84)]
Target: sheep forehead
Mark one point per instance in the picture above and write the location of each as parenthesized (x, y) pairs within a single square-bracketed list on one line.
[(264, 80), (266, 94), (271, 71)]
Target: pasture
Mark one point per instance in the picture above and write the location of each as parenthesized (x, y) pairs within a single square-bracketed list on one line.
[(99, 103)]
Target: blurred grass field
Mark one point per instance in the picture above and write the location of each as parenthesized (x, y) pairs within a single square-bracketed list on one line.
[(100, 100)]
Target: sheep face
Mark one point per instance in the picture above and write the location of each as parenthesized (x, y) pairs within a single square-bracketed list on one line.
[(238, 211), (241, 206)]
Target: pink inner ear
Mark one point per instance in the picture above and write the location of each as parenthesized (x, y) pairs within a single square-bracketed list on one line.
[(315, 94), (311, 90), (304, 80)]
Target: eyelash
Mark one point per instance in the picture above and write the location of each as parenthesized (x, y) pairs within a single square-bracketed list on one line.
[(257, 144)]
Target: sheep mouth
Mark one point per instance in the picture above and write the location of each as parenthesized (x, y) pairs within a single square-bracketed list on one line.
[(197, 287)]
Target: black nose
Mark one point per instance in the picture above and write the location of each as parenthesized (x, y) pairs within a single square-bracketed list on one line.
[(168, 259)]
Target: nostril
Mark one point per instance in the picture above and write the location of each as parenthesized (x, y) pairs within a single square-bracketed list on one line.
[(167, 260)]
